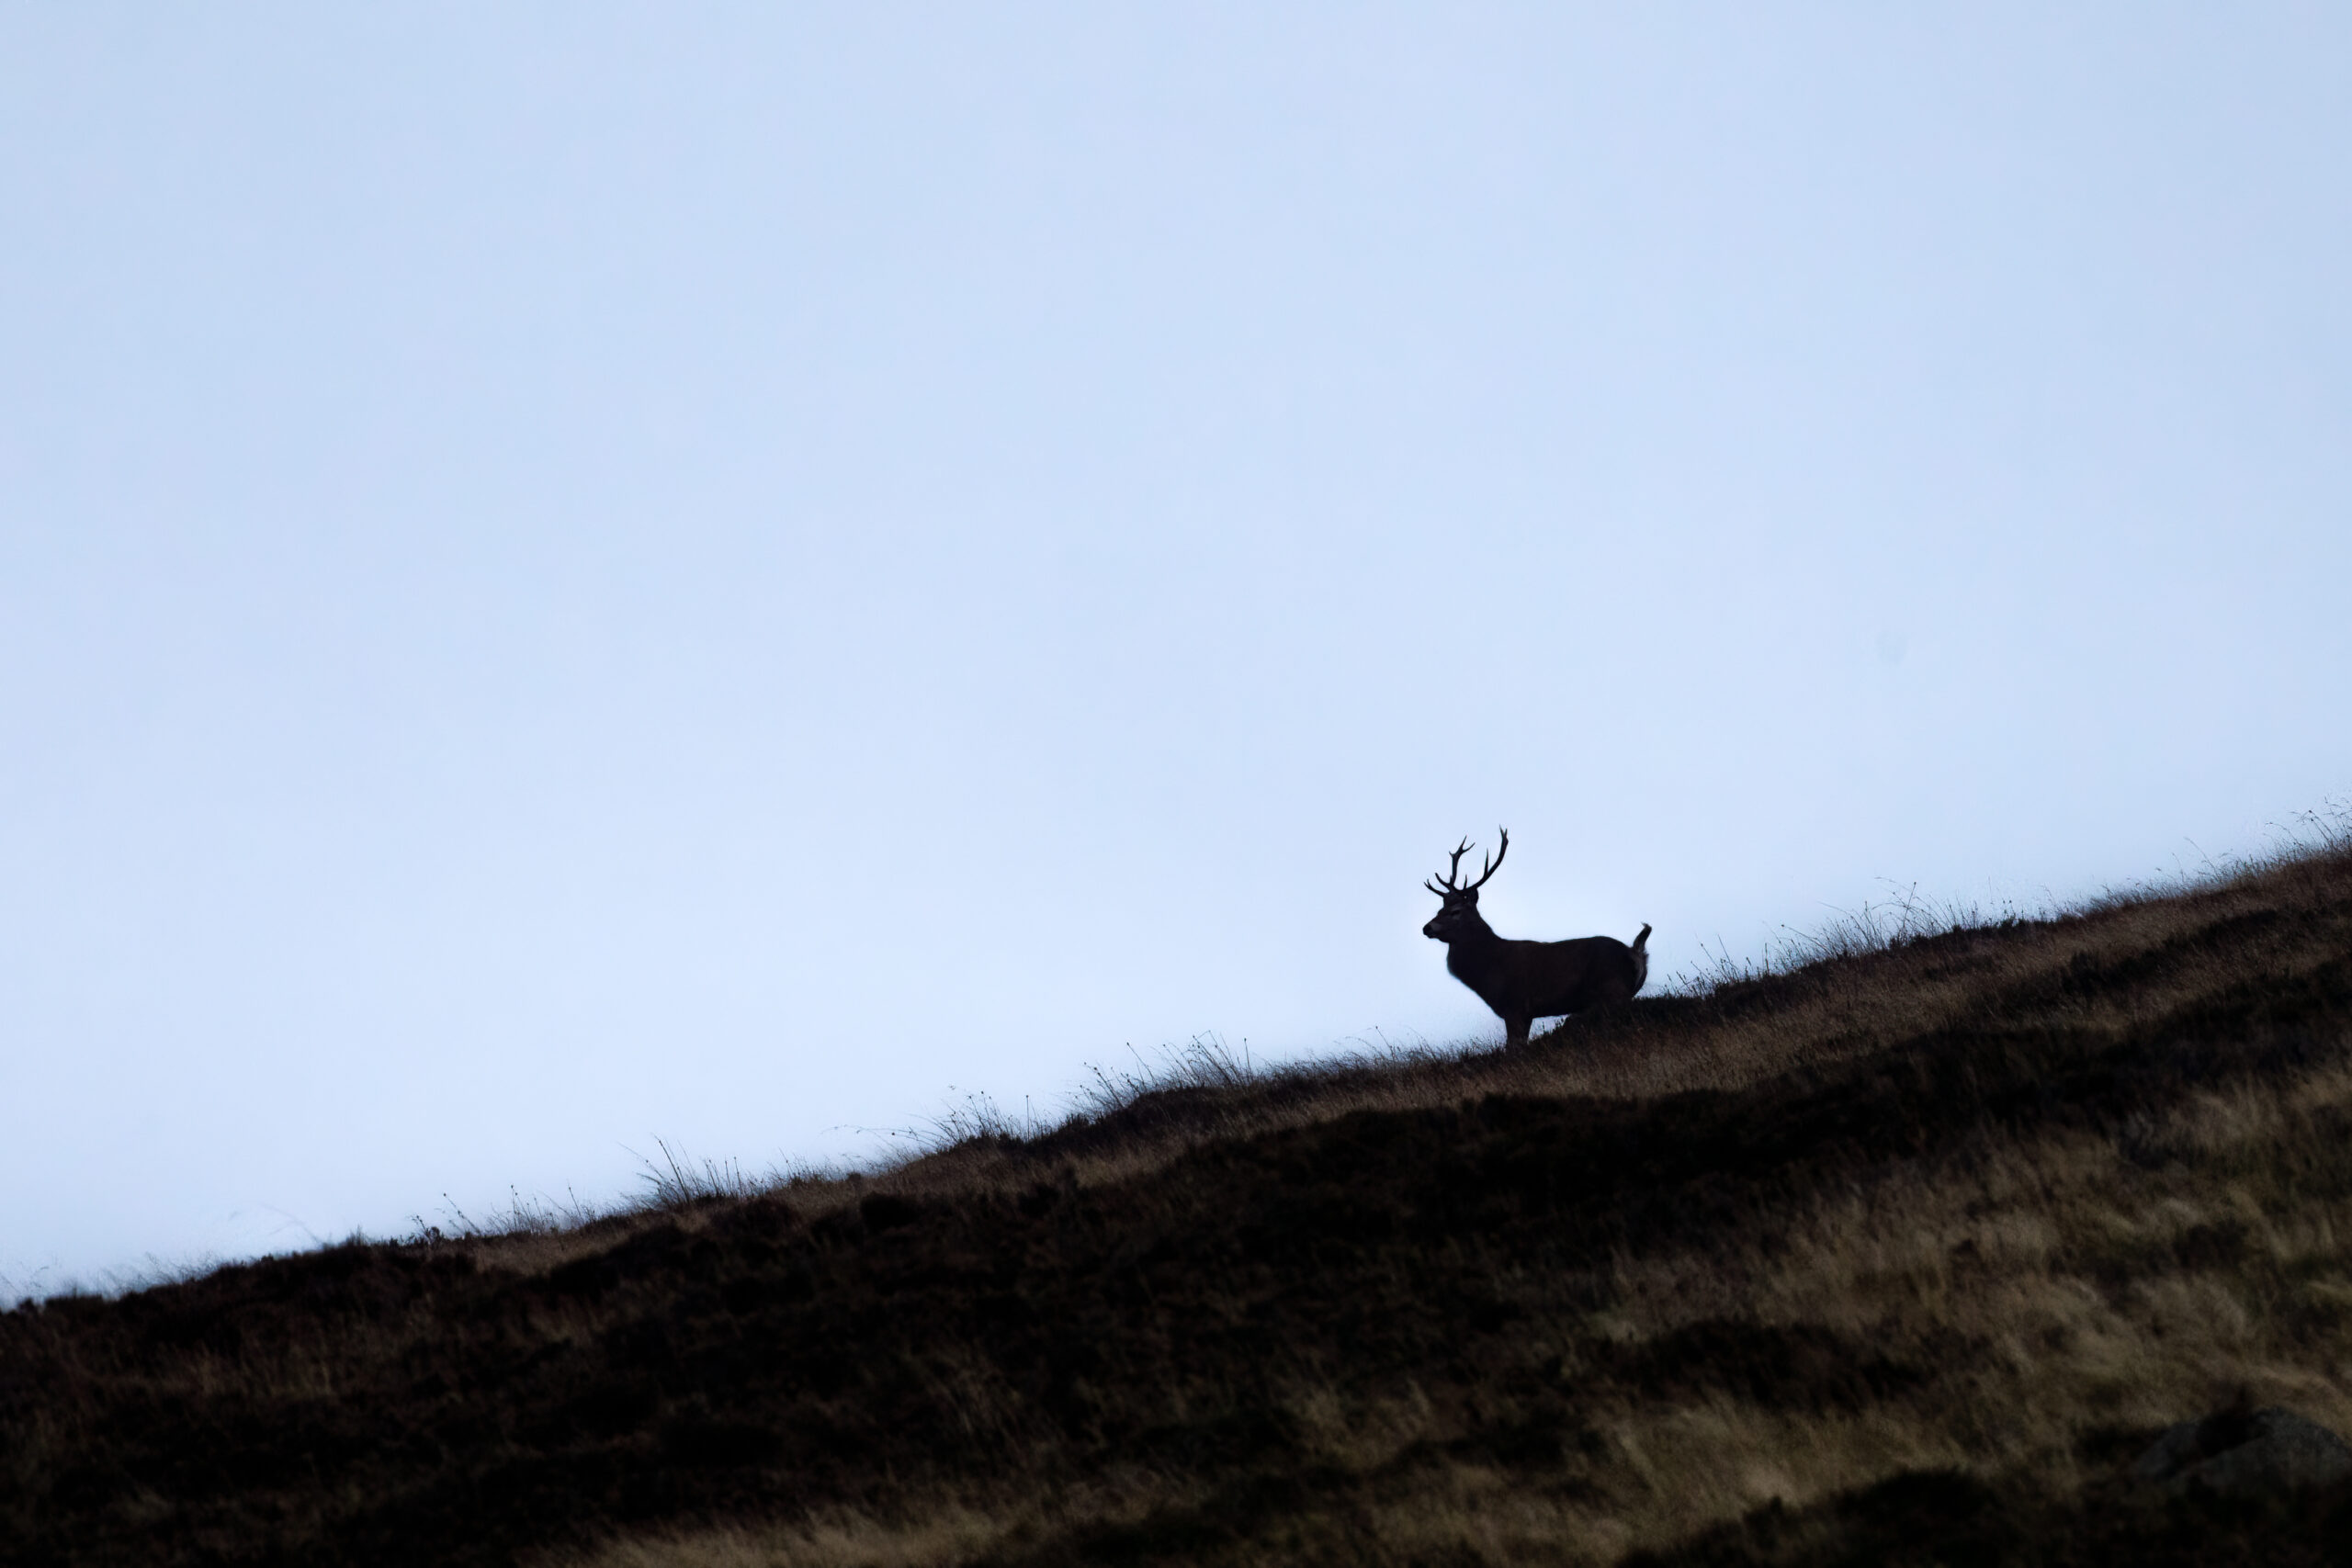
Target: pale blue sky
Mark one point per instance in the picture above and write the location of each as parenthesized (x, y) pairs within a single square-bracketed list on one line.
[(573, 574)]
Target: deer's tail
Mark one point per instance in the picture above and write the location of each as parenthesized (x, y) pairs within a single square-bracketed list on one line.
[(1641, 958)]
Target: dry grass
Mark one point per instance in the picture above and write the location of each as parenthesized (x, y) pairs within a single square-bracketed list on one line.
[(2006, 1248), (1996, 1202)]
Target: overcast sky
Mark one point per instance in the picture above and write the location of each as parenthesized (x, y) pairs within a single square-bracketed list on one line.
[(572, 575)]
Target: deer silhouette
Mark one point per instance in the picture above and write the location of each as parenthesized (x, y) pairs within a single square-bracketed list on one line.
[(1524, 981)]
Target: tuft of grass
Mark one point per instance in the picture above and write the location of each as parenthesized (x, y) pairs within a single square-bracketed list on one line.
[(678, 1181)]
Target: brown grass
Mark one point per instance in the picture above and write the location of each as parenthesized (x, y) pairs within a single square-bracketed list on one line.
[(2007, 1256), (1928, 1236)]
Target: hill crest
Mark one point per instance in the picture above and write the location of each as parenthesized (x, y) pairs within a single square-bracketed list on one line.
[(1919, 1241)]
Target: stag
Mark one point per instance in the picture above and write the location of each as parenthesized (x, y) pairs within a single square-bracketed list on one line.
[(1524, 981)]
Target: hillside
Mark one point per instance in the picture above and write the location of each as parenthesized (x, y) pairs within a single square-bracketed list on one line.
[(1900, 1255)]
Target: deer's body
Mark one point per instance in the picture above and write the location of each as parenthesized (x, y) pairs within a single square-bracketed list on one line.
[(1524, 981)]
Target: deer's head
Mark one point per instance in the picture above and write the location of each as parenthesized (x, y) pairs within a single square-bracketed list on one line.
[(1459, 917)]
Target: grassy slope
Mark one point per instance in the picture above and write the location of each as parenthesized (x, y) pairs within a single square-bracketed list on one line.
[(1904, 1252)]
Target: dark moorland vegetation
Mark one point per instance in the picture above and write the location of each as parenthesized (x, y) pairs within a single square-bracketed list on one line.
[(1900, 1256)]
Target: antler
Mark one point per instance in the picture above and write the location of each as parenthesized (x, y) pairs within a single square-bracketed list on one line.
[(1502, 850), (1453, 872), (1450, 873)]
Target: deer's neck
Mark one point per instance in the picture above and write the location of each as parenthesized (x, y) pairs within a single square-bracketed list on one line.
[(1473, 951)]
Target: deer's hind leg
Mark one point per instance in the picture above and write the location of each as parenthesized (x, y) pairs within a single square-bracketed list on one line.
[(1515, 1028)]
